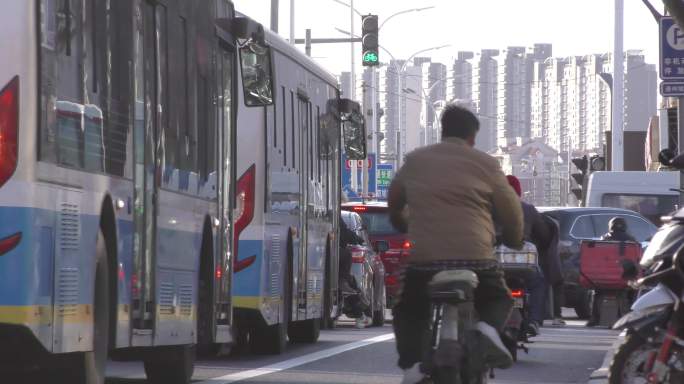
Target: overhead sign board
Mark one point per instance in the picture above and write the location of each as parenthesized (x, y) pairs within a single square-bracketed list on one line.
[(671, 50)]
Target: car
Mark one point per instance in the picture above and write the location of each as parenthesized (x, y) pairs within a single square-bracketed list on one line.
[(588, 223), (368, 269), (375, 216)]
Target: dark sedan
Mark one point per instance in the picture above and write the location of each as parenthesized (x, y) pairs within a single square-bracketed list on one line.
[(577, 224)]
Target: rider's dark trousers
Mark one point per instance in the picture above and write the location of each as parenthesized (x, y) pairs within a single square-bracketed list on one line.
[(411, 314)]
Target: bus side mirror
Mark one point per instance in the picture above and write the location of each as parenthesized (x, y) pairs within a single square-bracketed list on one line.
[(257, 73), (353, 129)]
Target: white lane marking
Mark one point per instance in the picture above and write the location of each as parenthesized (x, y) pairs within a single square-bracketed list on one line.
[(297, 361), (569, 347)]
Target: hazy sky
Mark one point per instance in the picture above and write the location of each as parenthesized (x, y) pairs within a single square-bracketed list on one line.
[(574, 27)]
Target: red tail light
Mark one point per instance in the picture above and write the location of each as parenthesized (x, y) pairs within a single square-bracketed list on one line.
[(9, 128), (406, 245), (357, 255), (246, 189), (391, 280), (360, 208), (219, 273), (517, 293), (9, 243)]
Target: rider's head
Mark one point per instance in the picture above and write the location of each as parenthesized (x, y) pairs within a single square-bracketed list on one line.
[(617, 224), (458, 121), (514, 182)]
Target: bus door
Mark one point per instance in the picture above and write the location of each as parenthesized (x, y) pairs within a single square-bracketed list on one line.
[(222, 290), (146, 164), (303, 133)]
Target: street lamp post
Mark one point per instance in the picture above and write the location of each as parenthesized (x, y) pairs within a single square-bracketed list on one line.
[(397, 152), (373, 85)]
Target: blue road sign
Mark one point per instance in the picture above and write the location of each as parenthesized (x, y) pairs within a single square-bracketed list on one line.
[(671, 50), (672, 88), (385, 174), (346, 176)]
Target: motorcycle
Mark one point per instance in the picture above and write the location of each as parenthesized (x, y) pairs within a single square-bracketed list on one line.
[(519, 266), (653, 350), (452, 354)]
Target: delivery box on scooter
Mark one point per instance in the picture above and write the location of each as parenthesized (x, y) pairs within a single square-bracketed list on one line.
[(601, 263)]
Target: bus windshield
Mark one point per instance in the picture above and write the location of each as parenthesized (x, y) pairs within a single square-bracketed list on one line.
[(651, 207)]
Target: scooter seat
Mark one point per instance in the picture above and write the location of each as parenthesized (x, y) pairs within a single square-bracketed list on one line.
[(453, 285), (446, 278)]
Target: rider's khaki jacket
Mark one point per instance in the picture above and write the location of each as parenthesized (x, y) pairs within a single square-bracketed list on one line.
[(454, 194)]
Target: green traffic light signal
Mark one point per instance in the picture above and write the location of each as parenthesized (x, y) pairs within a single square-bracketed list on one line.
[(370, 57)]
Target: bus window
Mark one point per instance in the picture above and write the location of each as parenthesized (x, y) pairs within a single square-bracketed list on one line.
[(257, 75)]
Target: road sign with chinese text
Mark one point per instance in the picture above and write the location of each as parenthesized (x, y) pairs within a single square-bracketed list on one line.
[(671, 50), (385, 174), (672, 88)]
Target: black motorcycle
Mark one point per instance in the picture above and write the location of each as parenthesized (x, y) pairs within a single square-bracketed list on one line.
[(453, 355), (519, 266), (653, 350)]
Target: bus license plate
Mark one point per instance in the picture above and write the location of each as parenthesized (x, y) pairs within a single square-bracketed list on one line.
[(518, 303)]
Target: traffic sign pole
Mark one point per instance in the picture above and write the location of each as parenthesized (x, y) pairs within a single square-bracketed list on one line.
[(680, 145)]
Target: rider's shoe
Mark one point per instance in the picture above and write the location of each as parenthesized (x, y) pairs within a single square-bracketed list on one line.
[(413, 375), (558, 322), (533, 329), (497, 353), (362, 322)]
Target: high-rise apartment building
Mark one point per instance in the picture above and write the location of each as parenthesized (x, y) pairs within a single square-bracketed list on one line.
[(485, 74)]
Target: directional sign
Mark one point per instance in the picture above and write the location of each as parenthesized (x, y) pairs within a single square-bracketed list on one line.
[(385, 174), (672, 88), (671, 50), (347, 175)]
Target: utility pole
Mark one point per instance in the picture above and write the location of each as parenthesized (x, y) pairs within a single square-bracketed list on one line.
[(274, 15), (292, 22), (617, 152), (307, 42)]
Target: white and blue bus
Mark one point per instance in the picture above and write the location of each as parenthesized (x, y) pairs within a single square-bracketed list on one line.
[(123, 126), (288, 193), (118, 137)]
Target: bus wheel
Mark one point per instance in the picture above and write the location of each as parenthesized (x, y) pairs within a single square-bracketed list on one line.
[(89, 367), (174, 365), (306, 331), (269, 340)]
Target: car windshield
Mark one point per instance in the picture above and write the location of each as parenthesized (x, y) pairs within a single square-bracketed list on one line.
[(651, 207), (378, 223)]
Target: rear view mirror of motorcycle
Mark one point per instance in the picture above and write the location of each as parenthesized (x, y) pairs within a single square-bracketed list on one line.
[(669, 158), (676, 268)]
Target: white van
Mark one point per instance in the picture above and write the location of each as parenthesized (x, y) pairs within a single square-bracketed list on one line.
[(649, 193)]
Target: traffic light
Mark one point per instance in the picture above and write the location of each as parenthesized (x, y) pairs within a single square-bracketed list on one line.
[(582, 165), (369, 40), (597, 163)]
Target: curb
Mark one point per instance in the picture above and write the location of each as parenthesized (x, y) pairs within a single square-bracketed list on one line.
[(600, 376)]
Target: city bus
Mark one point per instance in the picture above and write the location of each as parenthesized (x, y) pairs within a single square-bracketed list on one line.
[(288, 192), (120, 210)]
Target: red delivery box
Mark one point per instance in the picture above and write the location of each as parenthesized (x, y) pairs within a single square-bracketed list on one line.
[(601, 262)]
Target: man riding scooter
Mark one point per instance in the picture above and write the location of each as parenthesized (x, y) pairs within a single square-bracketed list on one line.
[(455, 194)]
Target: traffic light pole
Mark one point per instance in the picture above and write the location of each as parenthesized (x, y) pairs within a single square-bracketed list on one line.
[(680, 145)]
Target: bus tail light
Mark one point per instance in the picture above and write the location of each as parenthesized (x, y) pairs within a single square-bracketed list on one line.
[(246, 191), (9, 243), (9, 129), (357, 254)]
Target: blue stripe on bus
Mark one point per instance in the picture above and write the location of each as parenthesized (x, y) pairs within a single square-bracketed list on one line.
[(248, 281)]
